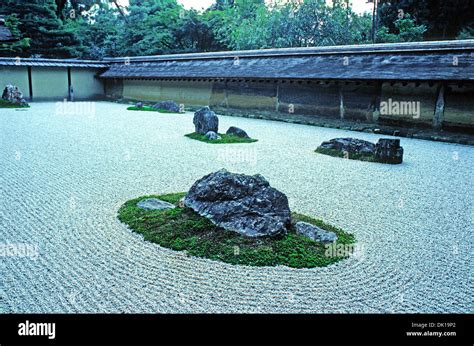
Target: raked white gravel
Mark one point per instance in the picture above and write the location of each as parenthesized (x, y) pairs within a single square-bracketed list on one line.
[(64, 176)]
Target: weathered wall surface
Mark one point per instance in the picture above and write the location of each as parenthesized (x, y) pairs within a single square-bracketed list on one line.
[(459, 109), (49, 83), (189, 93), (399, 103), (114, 88), (17, 76), (358, 100), (85, 85), (416, 103), (311, 98)]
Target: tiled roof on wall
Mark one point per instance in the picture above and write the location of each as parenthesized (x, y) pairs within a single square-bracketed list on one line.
[(52, 62), (445, 60)]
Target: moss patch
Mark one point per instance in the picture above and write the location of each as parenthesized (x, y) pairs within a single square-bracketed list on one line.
[(6, 104), (338, 153), (150, 109), (183, 229), (225, 139)]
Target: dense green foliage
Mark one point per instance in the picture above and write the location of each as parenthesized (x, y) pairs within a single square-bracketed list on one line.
[(183, 229), (14, 48), (443, 19), (407, 31), (98, 28), (37, 21), (225, 139)]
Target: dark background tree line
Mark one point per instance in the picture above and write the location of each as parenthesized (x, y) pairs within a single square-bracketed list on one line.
[(97, 28)]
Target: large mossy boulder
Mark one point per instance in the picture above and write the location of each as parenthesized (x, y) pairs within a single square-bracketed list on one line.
[(205, 120), (241, 203)]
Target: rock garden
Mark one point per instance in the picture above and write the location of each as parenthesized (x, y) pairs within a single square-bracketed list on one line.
[(206, 124), (384, 151), (12, 97), (234, 218)]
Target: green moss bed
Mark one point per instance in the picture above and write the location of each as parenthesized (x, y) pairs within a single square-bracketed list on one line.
[(150, 109), (225, 139), (6, 104), (353, 156), (182, 229)]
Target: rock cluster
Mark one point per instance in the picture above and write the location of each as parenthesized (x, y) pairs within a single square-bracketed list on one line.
[(168, 105), (13, 95), (385, 150), (241, 203), (206, 123), (247, 205)]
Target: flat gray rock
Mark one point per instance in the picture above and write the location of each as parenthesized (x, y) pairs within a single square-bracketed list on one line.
[(154, 204), (315, 233)]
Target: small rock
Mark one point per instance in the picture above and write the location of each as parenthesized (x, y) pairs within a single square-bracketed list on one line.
[(212, 136), (205, 120), (315, 233), (168, 105), (241, 203), (139, 105), (235, 131), (154, 204)]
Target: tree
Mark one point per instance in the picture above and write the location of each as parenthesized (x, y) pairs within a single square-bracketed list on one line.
[(311, 23), (46, 32), (194, 33), (99, 32), (18, 47), (406, 29), (466, 33), (443, 19)]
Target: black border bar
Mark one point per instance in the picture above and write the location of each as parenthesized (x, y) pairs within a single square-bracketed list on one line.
[(259, 329)]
